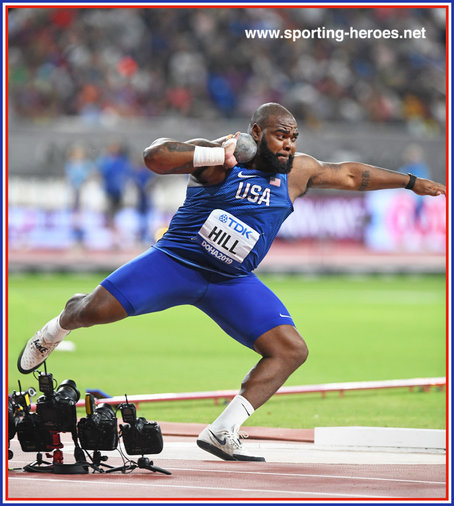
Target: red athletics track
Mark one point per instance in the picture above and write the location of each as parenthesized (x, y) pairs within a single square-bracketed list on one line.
[(293, 471)]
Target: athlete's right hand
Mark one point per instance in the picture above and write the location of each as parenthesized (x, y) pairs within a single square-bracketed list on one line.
[(229, 147)]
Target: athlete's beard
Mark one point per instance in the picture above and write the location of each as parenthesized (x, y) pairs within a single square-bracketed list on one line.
[(271, 162)]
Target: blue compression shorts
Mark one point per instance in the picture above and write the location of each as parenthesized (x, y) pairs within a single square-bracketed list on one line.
[(243, 307)]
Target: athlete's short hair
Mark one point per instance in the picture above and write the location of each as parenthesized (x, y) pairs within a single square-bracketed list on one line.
[(266, 111)]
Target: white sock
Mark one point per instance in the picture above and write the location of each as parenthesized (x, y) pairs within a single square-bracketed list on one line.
[(54, 332), (234, 415)]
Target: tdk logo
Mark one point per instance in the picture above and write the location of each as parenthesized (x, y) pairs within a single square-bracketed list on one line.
[(238, 227)]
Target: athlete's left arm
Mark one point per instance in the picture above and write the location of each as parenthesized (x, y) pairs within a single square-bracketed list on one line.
[(309, 172)]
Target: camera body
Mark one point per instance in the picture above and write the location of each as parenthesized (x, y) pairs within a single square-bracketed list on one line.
[(57, 410), (139, 435), (98, 431), (11, 419), (142, 437), (11, 424), (32, 435)]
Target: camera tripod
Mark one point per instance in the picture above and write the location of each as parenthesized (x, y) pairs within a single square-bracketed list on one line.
[(98, 461), (146, 463), (57, 466)]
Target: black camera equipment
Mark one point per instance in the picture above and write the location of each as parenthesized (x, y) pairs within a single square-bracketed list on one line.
[(18, 405), (140, 436), (98, 431), (31, 435), (40, 431), (11, 426), (55, 412)]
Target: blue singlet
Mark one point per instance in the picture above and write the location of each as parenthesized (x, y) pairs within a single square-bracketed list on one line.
[(228, 227)]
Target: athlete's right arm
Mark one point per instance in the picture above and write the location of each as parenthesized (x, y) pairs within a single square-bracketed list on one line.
[(167, 156)]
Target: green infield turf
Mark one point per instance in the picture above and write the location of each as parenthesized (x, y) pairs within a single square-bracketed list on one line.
[(357, 329)]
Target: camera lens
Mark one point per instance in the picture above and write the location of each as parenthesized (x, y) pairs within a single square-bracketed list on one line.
[(106, 411), (67, 389)]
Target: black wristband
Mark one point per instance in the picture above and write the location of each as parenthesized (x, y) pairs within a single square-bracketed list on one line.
[(411, 183)]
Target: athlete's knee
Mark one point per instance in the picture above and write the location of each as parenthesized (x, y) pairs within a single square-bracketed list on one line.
[(294, 351), (301, 352), (283, 343)]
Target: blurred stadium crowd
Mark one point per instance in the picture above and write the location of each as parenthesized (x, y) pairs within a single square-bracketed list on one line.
[(80, 77), (154, 62)]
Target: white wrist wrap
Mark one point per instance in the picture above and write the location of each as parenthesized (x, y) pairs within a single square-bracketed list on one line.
[(206, 157)]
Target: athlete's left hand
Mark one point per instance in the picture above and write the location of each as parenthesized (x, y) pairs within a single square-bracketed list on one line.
[(428, 187)]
